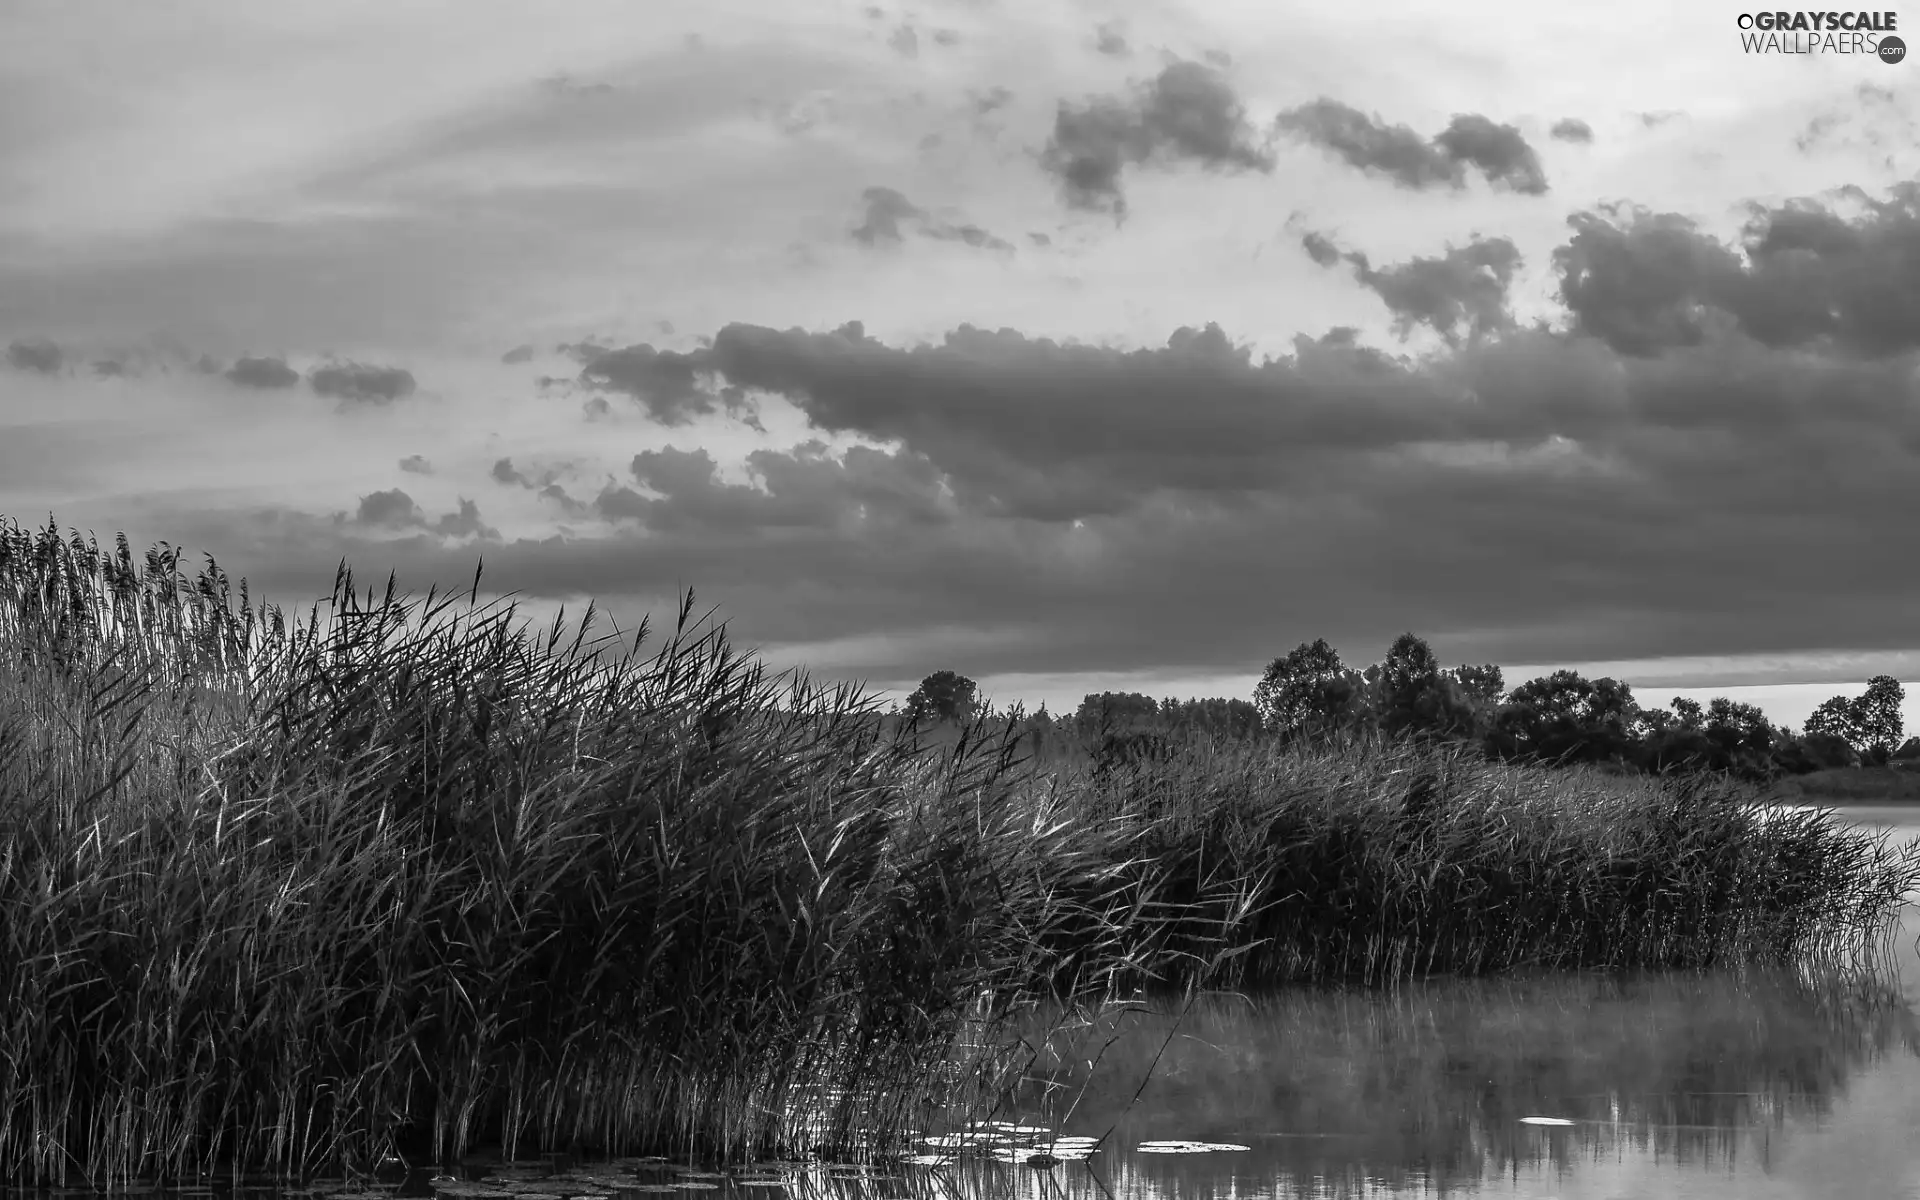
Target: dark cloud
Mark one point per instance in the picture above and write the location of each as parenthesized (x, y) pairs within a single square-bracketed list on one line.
[(504, 472), (1498, 152), (556, 494), (518, 354), (946, 37), (1320, 248), (394, 510), (1110, 39), (262, 373), (888, 210), (1040, 239), (1460, 294), (1728, 476), (1571, 129), (667, 383), (807, 487), (1188, 113), (414, 464), (905, 42), (1659, 117), (1804, 276), (35, 354), (109, 368), (360, 382)]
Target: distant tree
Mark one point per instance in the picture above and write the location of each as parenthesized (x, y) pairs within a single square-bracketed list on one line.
[(1871, 722), (1483, 684), (1836, 716), (1101, 713), (1816, 752), (1309, 689), (1688, 711), (943, 696), (1566, 716), (1879, 716), (1415, 696)]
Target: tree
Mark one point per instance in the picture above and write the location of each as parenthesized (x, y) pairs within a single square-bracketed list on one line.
[(1688, 711), (1879, 715), (1871, 722), (1101, 713), (1483, 683), (1835, 717), (943, 696), (1309, 690), (1566, 715), (1416, 696)]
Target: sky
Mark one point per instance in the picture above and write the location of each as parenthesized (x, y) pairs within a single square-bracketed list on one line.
[(1071, 345)]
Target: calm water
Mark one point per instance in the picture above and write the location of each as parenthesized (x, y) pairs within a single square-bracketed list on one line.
[(1755, 1086)]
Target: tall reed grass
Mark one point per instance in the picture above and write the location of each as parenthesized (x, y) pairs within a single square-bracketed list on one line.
[(282, 895)]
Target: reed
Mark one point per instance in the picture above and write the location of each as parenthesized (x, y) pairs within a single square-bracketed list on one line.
[(285, 894)]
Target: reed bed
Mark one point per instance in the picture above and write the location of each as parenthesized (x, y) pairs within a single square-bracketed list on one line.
[(285, 895)]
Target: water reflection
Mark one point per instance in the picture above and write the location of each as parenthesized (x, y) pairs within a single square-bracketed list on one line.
[(1782, 1083)]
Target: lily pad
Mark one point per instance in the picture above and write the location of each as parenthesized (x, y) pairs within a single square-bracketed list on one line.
[(1186, 1147), (1558, 1122)]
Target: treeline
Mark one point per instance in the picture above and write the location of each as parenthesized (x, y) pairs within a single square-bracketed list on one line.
[(1563, 717)]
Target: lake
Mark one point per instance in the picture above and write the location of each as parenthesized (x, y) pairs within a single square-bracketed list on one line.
[(1750, 1084)]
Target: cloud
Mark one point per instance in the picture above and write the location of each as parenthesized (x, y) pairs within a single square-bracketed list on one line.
[(1571, 129), (987, 101), (1110, 39), (503, 471), (904, 42), (360, 382), (887, 210), (946, 37), (558, 495), (414, 464), (518, 354), (396, 511), (807, 487), (1187, 113), (262, 373), (35, 354), (1499, 152), (1525, 493), (1460, 294), (1804, 275), (666, 383)]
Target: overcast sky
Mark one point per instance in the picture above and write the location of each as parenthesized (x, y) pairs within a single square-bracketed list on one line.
[(1069, 345)]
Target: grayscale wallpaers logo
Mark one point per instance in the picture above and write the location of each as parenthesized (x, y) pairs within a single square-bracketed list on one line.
[(1867, 34)]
